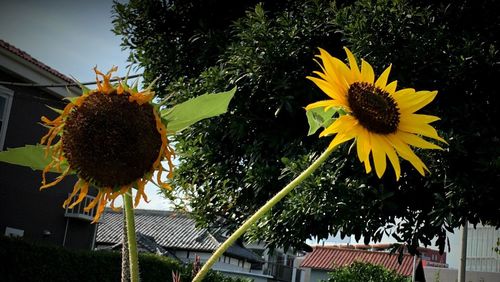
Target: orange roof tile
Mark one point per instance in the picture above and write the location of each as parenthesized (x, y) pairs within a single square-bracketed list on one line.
[(328, 258)]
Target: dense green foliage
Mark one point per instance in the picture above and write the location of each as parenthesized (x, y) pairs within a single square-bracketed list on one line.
[(24, 261), (230, 165), (366, 272)]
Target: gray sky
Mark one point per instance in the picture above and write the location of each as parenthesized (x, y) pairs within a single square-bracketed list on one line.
[(72, 37)]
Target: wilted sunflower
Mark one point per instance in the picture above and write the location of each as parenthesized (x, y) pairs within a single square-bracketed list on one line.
[(113, 138), (380, 118)]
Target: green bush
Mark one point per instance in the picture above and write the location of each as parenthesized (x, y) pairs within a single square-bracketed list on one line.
[(359, 271), (25, 261)]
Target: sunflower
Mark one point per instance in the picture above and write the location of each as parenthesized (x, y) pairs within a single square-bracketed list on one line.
[(381, 119), (112, 138)]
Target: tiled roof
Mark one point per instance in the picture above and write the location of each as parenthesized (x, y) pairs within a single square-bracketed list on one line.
[(25, 56), (328, 258), (169, 229)]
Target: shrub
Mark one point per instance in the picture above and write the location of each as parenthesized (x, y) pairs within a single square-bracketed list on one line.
[(26, 261), (359, 271)]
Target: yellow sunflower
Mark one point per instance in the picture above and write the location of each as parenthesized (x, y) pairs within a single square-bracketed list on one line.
[(381, 119), (113, 138)]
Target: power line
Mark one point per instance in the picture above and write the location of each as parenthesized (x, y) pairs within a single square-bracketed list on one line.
[(23, 84)]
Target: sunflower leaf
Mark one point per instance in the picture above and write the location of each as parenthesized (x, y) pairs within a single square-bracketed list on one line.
[(318, 118), (32, 156), (205, 106)]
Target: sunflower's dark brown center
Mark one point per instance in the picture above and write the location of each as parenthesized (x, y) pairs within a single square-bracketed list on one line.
[(110, 141), (374, 108)]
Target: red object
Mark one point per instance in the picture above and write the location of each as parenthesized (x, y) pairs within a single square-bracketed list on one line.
[(329, 258)]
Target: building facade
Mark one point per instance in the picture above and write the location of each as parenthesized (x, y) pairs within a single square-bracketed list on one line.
[(25, 210), (481, 242)]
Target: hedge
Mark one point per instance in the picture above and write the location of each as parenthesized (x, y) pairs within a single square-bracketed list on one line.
[(28, 261)]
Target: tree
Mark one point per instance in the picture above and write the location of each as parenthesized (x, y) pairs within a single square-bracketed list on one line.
[(231, 165), (359, 271)]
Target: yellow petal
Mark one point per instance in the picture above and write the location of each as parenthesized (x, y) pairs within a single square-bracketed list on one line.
[(367, 73), (339, 139), (382, 80), (413, 126), (391, 87), (407, 153), (378, 155), (356, 74), (416, 141), (403, 92), (324, 103), (393, 157), (336, 69), (328, 88), (416, 101), (363, 145), (342, 124)]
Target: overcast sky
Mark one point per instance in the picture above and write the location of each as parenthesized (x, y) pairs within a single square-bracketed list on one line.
[(72, 37)]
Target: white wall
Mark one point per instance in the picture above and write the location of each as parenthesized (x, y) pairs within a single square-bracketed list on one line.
[(433, 274), (480, 244)]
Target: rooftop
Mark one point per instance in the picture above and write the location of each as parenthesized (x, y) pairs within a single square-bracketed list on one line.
[(171, 230), (27, 57), (328, 258)]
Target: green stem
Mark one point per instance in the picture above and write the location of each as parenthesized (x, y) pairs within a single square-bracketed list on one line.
[(261, 212), (132, 240)]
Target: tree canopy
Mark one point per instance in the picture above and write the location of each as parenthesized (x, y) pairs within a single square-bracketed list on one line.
[(230, 165)]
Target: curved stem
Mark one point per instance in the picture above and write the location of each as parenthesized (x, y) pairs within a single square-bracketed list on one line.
[(132, 239), (261, 212)]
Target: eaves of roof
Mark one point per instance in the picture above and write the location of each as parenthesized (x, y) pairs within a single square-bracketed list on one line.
[(22, 64)]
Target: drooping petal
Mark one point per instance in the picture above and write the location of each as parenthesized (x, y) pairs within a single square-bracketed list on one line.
[(393, 157), (379, 158), (416, 141), (407, 153), (363, 147)]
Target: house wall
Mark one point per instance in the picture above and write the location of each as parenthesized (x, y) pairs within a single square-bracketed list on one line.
[(225, 262), (433, 274), (481, 242), (318, 275), (24, 206)]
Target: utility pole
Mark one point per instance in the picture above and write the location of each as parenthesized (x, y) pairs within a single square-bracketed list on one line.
[(463, 255)]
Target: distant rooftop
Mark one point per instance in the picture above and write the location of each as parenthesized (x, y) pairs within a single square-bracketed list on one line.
[(329, 258), (171, 230)]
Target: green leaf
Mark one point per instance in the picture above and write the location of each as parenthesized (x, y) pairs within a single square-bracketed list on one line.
[(318, 118), (205, 106), (32, 156)]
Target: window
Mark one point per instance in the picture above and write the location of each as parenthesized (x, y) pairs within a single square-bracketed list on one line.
[(5, 104)]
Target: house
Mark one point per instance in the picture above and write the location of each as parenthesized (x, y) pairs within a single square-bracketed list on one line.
[(481, 243), (25, 210), (279, 263), (175, 234), (324, 259)]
